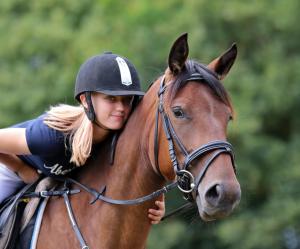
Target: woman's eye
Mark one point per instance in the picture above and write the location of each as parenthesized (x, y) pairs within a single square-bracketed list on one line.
[(128, 100), (178, 112)]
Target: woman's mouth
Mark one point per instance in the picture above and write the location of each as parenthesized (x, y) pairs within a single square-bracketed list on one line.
[(118, 117)]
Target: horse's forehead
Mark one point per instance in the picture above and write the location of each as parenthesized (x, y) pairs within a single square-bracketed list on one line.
[(199, 95), (197, 91)]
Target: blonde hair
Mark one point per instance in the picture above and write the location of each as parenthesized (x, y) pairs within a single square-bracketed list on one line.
[(73, 122)]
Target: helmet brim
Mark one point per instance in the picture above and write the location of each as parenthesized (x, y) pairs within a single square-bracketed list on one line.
[(121, 93)]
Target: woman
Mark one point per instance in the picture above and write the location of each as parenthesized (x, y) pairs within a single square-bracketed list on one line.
[(108, 88)]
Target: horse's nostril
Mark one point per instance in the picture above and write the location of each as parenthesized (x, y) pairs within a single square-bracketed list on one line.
[(214, 194), (225, 195)]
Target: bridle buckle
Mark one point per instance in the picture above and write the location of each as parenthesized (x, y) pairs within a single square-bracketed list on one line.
[(186, 181)]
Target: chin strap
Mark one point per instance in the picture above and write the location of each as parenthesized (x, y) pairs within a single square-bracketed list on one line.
[(90, 112)]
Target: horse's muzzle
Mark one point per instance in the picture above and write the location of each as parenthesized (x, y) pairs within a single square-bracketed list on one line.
[(218, 200)]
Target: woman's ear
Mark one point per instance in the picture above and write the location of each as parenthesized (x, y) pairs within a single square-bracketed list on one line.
[(83, 100)]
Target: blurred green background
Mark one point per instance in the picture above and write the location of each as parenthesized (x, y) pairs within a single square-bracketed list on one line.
[(43, 43)]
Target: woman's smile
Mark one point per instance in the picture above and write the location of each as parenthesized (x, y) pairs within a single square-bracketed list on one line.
[(118, 117)]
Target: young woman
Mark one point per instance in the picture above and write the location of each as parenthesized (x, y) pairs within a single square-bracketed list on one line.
[(107, 88)]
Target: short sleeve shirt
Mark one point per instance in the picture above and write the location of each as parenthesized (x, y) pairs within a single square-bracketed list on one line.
[(49, 152)]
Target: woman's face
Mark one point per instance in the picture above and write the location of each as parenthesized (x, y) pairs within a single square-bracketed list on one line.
[(111, 111)]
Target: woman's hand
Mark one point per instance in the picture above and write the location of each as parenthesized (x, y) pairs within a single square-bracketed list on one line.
[(28, 174), (155, 215)]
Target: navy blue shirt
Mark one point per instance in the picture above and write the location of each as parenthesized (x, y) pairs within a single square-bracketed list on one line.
[(48, 148)]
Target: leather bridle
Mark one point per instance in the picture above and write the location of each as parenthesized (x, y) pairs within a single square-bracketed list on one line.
[(187, 183)]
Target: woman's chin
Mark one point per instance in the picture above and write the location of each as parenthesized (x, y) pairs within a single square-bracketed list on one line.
[(115, 126)]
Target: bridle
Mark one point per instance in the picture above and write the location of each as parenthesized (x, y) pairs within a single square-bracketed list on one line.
[(187, 183)]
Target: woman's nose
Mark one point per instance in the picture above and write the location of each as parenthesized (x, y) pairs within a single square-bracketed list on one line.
[(121, 105)]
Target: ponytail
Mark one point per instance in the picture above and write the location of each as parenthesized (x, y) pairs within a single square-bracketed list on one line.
[(73, 122)]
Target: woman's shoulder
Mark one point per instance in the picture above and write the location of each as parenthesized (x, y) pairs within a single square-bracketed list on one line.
[(38, 125), (41, 138), (35, 121)]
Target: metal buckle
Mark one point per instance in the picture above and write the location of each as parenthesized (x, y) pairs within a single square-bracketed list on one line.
[(43, 194), (191, 178)]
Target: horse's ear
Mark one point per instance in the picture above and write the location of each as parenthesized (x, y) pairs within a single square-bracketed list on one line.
[(178, 54), (223, 63)]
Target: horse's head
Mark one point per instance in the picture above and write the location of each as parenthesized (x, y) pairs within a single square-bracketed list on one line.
[(194, 111)]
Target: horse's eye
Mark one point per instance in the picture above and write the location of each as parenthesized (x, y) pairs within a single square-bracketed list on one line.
[(178, 112)]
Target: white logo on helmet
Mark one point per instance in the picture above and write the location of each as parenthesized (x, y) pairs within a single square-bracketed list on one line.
[(124, 71)]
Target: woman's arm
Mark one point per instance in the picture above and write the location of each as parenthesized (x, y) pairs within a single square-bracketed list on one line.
[(24, 171), (13, 141)]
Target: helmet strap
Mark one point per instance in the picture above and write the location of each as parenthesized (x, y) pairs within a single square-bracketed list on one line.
[(90, 112)]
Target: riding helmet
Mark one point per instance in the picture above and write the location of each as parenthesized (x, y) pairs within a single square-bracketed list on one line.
[(110, 74)]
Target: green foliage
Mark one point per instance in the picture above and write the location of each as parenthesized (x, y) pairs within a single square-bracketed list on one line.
[(172, 235), (43, 43)]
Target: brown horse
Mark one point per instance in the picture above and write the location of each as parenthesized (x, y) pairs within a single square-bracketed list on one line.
[(186, 140)]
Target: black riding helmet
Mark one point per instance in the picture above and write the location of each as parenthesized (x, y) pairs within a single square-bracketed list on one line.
[(110, 74)]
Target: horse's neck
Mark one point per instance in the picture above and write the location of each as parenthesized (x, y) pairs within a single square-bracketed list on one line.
[(132, 164), (131, 176), (104, 225)]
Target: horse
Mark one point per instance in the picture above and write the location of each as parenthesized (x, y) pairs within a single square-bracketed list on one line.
[(177, 134)]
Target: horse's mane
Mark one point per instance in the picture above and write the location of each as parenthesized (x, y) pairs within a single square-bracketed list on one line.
[(209, 77)]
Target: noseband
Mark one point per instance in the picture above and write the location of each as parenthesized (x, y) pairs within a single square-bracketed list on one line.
[(186, 182)]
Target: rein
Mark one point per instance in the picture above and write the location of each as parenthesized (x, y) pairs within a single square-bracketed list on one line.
[(99, 195)]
